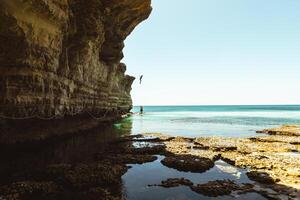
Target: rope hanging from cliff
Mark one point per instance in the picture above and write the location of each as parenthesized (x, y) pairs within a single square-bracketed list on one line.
[(50, 118), (34, 114), (31, 116), (97, 118)]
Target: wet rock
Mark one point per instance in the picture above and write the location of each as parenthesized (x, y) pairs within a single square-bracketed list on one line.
[(129, 158), (216, 188), (175, 182), (276, 139), (58, 170), (148, 137), (98, 194), (217, 144), (270, 154), (182, 139), (224, 148), (144, 138), (256, 139), (289, 130), (29, 190), (261, 177), (188, 163), (156, 149), (227, 160), (285, 190), (83, 176), (161, 137), (197, 145), (127, 138)]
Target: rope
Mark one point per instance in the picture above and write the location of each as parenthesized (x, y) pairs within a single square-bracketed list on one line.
[(18, 118), (54, 116), (97, 118)]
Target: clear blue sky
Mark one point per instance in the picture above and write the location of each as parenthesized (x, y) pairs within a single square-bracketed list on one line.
[(200, 52)]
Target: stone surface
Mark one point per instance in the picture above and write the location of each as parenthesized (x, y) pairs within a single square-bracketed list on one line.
[(95, 170), (260, 177), (277, 156), (216, 188), (188, 163), (291, 130), (96, 175), (174, 182), (60, 57)]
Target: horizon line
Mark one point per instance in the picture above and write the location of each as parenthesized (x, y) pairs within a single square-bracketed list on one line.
[(224, 105)]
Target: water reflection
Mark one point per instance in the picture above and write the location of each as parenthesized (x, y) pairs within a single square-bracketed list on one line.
[(21, 160), (26, 162), (137, 179)]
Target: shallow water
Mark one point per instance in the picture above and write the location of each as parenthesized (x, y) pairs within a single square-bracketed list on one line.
[(16, 163), (72, 150), (137, 179), (231, 121)]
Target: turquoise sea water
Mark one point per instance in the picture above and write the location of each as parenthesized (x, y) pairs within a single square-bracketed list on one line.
[(231, 121)]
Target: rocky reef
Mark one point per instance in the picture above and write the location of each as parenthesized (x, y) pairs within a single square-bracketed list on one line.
[(289, 130), (62, 57), (107, 166), (272, 161)]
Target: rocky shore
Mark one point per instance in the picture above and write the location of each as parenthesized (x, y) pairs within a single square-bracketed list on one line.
[(272, 164), (273, 161), (290, 130)]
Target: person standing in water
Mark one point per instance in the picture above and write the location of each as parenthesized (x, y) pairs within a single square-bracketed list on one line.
[(141, 110)]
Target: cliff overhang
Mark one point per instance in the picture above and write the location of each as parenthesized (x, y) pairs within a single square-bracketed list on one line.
[(62, 58)]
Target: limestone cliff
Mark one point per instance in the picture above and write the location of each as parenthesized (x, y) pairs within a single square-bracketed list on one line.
[(62, 57)]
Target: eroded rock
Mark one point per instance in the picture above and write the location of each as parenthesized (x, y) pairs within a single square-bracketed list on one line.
[(129, 158), (261, 177), (83, 176), (62, 58), (99, 193), (174, 182), (218, 188), (188, 163), (276, 155), (29, 190), (289, 130)]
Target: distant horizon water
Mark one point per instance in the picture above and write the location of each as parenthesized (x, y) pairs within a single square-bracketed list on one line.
[(212, 120), (151, 105)]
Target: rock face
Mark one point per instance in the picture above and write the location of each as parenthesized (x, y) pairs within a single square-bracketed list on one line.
[(62, 57)]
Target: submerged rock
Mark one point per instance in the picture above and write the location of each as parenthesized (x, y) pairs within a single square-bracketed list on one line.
[(81, 176), (175, 182), (151, 149), (276, 155), (218, 188), (261, 177), (188, 163), (100, 175), (129, 158)]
